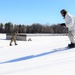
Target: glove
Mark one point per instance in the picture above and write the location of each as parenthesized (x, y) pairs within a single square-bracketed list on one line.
[(63, 24)]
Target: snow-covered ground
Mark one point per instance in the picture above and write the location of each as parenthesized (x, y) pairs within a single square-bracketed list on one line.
[(41, 56)]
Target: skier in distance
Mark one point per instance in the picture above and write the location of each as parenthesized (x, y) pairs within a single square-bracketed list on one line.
[(13, 38)]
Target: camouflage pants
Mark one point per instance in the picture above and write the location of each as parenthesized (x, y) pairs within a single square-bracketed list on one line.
[(13, 40)]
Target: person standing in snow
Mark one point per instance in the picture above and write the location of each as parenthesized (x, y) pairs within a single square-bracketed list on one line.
[(13, 38), (70, 25)]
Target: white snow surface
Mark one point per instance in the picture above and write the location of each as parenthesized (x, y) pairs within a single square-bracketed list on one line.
[(37, 57)]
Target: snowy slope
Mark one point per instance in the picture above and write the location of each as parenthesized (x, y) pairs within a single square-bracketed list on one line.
[(37, 57)]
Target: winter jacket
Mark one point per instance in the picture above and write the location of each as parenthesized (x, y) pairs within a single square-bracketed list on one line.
[(70, 22)]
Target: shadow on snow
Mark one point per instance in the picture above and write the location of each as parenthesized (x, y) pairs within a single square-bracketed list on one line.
[(35, 56)]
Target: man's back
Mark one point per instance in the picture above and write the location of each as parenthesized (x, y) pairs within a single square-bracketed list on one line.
[(70, 21)]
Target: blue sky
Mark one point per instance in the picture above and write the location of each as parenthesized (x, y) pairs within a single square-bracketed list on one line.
[(34, 11)]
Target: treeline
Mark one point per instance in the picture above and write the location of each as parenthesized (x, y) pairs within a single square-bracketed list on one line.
[(34, 28)]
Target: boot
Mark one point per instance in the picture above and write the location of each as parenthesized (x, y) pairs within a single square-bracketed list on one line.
[(72, 45), (16, 44), (10, 44)]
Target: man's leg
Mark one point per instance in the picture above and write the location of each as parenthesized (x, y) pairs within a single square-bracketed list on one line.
[(71, 36), (11, 42), (15, 41)]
